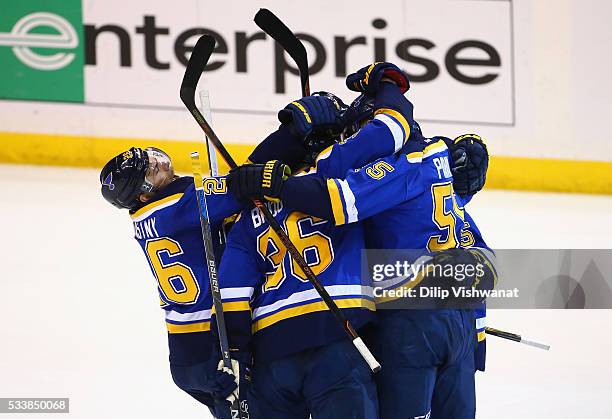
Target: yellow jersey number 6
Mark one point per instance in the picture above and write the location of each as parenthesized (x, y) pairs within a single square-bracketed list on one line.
[(177, 283)]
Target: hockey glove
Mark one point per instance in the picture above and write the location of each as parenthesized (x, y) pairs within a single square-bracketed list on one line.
[(225, 384), (319, 114), (234, 373), (258, 181), (453, 278), (470, 161), (368, 79)]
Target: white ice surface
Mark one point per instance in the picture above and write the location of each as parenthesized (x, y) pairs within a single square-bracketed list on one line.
[(82, 319)]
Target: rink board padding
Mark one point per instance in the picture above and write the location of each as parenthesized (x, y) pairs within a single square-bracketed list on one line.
[(517, 173)]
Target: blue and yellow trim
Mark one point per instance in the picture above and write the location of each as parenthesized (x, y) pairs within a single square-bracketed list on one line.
[(242, 305), (336, 202), (431, 149), (188, 327), (303, 110), (397, 117), (236, 306), (366, 79), (156, 204), (310, 308)]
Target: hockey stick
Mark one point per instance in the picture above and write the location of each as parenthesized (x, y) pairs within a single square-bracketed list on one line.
[(213, 163), (274, 27), (285, 37), (211, 152), (199, 57), (515, 338), (237, 408)]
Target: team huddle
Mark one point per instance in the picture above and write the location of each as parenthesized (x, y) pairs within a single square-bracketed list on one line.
[(339, 180)]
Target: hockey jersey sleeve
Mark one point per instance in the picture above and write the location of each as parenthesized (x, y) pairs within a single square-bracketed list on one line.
[(220, 202), (374, 188), (362, 193), (381, 137), (238, 277)]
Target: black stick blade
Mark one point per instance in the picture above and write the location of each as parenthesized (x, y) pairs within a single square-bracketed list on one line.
[(199, 57), (274, 27)]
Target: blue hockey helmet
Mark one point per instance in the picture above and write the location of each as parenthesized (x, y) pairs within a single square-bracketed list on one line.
[(123, 178)]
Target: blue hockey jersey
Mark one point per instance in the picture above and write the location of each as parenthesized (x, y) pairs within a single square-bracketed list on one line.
[(266, 295), (407, 202), (168, 231)]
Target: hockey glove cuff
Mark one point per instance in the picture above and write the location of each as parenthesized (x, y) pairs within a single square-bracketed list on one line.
[(258, 181), (370, 78)]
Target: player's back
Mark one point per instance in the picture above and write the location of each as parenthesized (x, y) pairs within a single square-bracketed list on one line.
[(283, 301), (431, 219), (168, 231)]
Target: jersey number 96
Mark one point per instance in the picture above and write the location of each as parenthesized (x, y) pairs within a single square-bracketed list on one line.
[(315, 244)]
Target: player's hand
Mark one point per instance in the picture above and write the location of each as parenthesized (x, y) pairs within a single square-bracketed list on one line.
[(231, 392), (470, 161), (320, 113), (226, 382), (473, 269), (258, 181), (368, 79)]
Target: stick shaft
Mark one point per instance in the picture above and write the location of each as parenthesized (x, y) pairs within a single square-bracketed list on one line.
[(213, 162), (515, 338), (275, 27), (211, 265), (199, 57)]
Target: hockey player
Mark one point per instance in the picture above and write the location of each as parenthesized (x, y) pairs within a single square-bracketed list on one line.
[(164, 211), (303, 363), (428, 371)]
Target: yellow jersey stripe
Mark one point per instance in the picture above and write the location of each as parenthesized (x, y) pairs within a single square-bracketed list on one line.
[(368, 71), (156, 204), (430, 147), (323, 154), (237, 306), (461, 137), (398, 117), (336, 202), (234, 306), (481, 336), (189, 328), (311, 308), (304, 111), (427, 151)]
